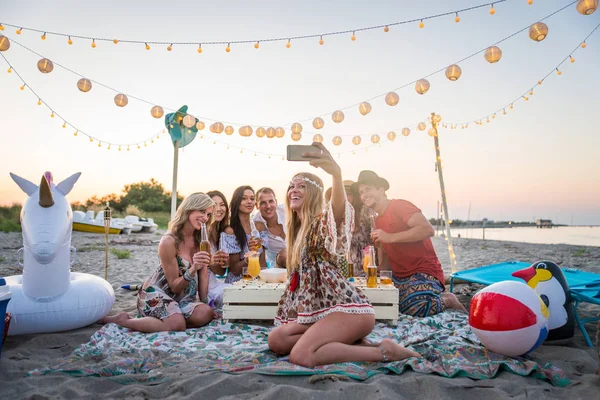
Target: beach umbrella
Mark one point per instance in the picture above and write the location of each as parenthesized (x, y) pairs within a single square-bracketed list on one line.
[(183, 128)]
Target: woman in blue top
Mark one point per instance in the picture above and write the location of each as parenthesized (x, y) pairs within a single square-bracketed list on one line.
[(238, 235)]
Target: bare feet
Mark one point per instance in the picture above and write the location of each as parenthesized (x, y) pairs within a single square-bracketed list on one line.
[(395, 352), (117, 319), (452, 303)]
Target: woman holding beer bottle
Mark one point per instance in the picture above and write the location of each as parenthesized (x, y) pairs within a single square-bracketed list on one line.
[(243, 235), (174, 297), (321, 316)]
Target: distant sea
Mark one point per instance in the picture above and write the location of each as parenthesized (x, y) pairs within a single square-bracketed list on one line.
[(578, 235)]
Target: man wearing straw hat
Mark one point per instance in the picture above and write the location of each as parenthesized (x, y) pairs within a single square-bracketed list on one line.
[(405, 233)]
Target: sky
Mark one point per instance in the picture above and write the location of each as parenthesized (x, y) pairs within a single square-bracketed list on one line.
[(535, 162)]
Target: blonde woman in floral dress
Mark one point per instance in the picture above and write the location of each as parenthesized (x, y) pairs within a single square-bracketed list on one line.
[(322, 318)]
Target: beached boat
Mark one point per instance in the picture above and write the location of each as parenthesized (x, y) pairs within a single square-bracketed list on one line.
[(141, 224), (85, 222)]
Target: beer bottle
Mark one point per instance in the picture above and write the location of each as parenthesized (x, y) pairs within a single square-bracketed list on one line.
[(255, 234), (350, 266), (372, 270), (204, 243)]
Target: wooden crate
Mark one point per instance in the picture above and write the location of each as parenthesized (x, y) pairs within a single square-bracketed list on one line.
[(247, 300)]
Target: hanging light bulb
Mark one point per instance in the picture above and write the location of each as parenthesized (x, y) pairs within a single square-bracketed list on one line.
[(457, 18), (493, 54), (116, 41), (9, 70), (170, 47), (422, 86), (492, 10), (318, 123), (530, 2), (39, 103), (421, 24), (257, 45), (23, 87), (228, 48), (76, 132), (1, 27), (558, 72), (391, 99), (583, 45), (199, 48), (70, 41), (64, 125), (571, 59), (52, 114), (587, 7), (288, 44), (453, 72), (364, 108), (321, 41), (157, 112), (19, 31), (93, 43), (44, 36), (538, 31), (147, 46), (540, 82), (531, 92), (353, 38)]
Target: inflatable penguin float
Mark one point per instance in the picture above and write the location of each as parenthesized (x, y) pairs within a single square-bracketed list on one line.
[(548, 281)]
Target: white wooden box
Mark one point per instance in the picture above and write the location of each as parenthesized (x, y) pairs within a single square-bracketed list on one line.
[(258, 300)]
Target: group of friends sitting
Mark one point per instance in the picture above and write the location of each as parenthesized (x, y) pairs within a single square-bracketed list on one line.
[(322, 318)]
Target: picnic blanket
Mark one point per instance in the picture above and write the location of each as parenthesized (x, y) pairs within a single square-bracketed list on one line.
[(446, 342)]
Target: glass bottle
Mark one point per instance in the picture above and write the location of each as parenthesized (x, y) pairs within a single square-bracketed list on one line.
[(350, 266), (255, 234), (204, 243), (372, 270)]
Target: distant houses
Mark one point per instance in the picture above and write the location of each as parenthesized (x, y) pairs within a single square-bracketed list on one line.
[(544, 223)]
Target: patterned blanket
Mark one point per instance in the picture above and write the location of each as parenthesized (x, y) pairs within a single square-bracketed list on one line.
[(446, 341)]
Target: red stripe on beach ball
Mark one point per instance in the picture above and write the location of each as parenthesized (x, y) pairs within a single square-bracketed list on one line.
[(497, 312)]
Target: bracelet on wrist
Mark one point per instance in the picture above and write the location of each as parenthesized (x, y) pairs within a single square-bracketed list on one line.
[(187, 276)]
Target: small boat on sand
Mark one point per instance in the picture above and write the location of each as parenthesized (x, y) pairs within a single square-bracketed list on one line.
[(85, 222), (141, 224)]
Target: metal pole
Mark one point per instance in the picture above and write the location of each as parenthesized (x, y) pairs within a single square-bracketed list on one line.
[(438, 159), (174, 192)]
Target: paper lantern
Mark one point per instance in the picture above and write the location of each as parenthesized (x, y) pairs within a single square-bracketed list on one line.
[(337, 140), (84, 85), (45, 66), (375, 138), (296, 136), (364, 108), (538, 31), (271, 133), (245, 130), (296, 128), (229, 130), (318, 123), (493, 54), (261, 132), (189, 121), (4, 43), (337, 116), (157, 112), (121, 100), (421, 126), (392, 98), (405, 131), (217, 127), (200, 125), (422, 86), (318, 138), (432, 132), (509, 318), (391, 136), (356, 140), (437, 118), (280, 132), (453, 72), (587, 7)]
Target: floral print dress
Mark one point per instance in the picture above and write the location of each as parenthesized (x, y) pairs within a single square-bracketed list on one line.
[(318, 287), (156, 299)]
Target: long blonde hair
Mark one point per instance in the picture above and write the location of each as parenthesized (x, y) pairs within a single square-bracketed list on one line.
[(194, 202), (298, 228)]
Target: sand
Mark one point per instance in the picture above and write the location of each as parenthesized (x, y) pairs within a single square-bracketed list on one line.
[(24, 353)]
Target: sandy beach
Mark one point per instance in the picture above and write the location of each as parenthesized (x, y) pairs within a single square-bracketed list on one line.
[(28, 352)]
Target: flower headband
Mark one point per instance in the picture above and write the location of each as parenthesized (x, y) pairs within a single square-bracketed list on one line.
[(304, 178)]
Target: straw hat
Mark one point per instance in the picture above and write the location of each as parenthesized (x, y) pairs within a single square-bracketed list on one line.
[(371, 178)]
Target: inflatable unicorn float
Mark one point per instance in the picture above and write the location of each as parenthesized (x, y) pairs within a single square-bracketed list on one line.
[(48, 297)]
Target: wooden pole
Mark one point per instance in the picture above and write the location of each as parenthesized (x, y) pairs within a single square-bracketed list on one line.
[(174, 192), (438, 160)]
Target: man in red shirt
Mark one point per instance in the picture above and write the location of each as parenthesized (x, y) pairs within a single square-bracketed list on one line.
[(405, 233)]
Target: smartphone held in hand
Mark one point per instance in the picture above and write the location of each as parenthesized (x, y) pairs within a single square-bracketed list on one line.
[(295, 151)]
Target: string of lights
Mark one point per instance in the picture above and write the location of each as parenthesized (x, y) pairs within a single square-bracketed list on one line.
[(537, 32), (528, 93), (375, 139), (285, 39)]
